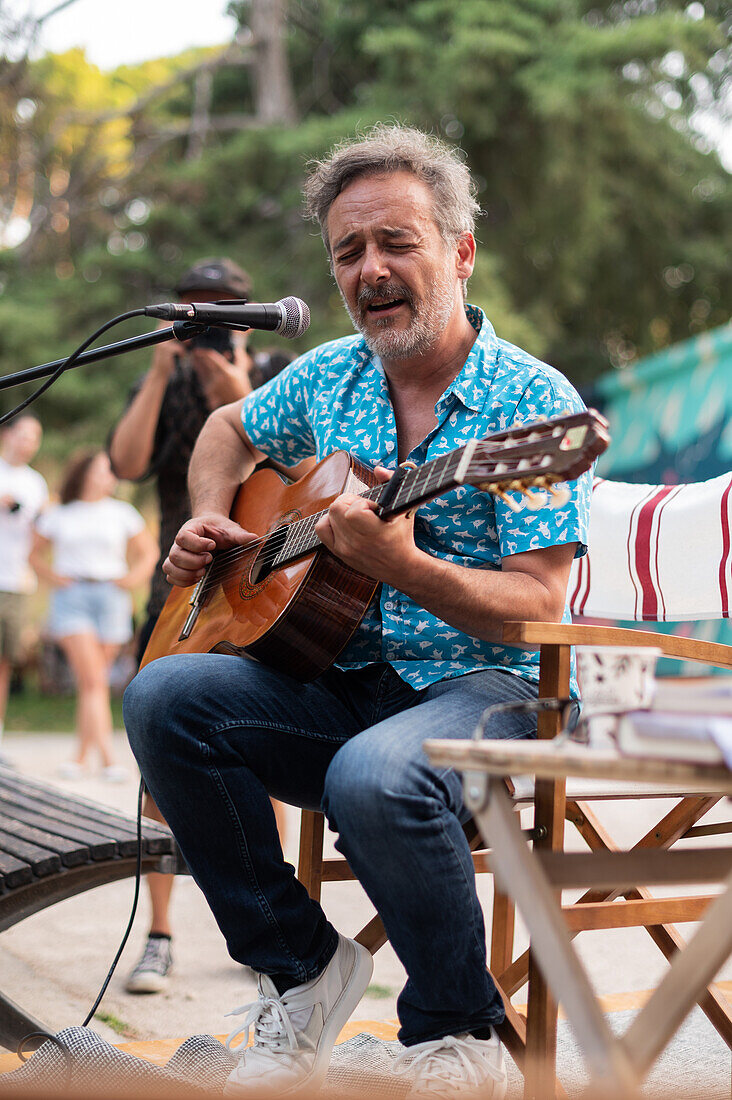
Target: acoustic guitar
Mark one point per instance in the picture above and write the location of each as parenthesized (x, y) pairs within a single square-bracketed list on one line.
[(287, 601)]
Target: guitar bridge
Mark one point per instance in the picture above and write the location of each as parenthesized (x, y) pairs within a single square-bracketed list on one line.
[(195, 603)]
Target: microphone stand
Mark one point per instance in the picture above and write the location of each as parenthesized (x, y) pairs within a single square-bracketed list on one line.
[(179, 330)]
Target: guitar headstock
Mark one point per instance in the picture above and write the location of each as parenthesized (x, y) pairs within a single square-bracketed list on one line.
[(535, 456)]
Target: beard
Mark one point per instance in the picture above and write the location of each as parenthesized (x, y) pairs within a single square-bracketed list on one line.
[(429, 317)]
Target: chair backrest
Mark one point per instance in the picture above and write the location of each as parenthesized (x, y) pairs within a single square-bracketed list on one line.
[(658, 553)]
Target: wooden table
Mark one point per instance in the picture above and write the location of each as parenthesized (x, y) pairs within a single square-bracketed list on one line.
[(535, 879)]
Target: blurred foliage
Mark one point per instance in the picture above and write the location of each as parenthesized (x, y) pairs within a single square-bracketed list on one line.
[(605, 230), (33, 711)]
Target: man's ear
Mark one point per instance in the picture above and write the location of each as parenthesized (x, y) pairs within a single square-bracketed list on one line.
[(465, 255)]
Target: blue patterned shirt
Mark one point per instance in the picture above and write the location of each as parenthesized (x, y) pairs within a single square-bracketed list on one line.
[(336, 398)]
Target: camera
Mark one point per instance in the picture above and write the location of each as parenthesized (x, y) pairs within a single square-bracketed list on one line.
[(218, 339)]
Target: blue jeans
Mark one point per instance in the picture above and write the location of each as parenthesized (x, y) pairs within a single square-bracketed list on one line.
[(92, 607), (216, 735)]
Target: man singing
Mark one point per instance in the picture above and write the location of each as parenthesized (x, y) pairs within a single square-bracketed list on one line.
[(215, 735)]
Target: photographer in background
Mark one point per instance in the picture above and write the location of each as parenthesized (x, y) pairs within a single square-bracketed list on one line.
[(23, 493), (168, 406), (154, 437)]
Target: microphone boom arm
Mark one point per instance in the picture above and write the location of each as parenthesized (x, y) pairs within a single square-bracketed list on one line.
[(179, 330)]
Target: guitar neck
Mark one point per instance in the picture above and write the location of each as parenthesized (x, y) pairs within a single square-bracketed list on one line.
[(518, 459), (406, 489), (409, 487)]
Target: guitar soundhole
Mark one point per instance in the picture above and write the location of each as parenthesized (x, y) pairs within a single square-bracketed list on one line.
[(266, 560)]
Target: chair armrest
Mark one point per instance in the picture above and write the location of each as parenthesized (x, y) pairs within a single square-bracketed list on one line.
[(534, 635)]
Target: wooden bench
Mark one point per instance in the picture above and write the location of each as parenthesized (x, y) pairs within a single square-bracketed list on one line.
[(53, 846)]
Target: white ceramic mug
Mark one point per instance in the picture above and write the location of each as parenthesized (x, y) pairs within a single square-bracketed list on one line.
[(612, 679)]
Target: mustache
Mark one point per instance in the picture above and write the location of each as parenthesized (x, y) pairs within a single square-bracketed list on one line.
[(369, 294)]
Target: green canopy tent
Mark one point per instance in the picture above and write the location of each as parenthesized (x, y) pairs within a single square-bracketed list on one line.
[(671, 413)]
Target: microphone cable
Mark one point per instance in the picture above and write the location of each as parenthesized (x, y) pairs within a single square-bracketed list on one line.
[(47, 1035), (135, 899), (69, 362)]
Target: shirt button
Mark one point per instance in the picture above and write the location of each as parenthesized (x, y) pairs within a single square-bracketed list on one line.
[(389, 446), (388, 606)]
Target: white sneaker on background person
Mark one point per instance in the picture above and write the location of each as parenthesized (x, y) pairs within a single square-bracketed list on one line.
[(70, 770), (295, 1032), (456, 1066), (114, 773)]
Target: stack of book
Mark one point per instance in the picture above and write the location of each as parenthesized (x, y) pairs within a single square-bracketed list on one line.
[(687, 720)]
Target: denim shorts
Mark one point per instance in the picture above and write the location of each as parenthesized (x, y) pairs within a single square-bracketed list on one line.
[(92, 607)]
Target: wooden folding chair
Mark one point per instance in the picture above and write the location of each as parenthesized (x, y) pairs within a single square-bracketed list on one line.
[(657, 554), (639, 537)]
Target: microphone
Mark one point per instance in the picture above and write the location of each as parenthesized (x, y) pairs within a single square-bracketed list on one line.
[(289, 317)]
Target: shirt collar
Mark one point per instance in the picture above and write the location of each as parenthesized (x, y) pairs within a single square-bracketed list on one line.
[(474, 380), (476, 376)]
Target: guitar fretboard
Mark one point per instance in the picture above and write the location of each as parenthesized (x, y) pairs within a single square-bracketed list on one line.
[(416, 486), (537, 455)]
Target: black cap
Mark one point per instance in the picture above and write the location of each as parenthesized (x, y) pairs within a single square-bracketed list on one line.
[(216, 274)]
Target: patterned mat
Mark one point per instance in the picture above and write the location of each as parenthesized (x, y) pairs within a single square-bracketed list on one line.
[(696, 1066), (81, 1063)]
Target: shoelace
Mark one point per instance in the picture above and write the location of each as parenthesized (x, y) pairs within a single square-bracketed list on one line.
[(440, 1063), (272, 1026), (153, 956)]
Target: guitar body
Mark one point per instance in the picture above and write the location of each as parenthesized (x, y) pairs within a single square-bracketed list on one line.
[(295, 618)]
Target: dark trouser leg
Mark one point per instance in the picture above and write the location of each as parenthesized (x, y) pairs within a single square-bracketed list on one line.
[(214, 736), (399, 824)]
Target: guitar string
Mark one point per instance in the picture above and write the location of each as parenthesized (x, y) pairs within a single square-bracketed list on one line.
[(297, 543), (307, 523), (225, 562)]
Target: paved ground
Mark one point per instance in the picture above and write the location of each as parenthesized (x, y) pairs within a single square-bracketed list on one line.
[(54, 963)]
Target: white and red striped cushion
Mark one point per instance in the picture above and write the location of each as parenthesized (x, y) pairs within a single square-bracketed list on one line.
[(658, 553)]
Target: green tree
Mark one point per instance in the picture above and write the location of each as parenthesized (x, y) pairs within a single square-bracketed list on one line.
[(606, 214), (605, 225)]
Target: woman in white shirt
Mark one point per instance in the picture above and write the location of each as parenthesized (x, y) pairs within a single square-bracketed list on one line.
[(100, 551)]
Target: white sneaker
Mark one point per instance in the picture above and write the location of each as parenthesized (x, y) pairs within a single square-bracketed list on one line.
[(70, 770), (114, 773), (294, 1034), (455, 1066)]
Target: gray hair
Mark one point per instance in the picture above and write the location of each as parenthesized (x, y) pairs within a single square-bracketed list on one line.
[(395, 148)]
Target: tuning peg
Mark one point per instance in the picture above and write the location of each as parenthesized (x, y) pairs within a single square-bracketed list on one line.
[(559, 497), (496, 491), (508, 501), (535, 501)]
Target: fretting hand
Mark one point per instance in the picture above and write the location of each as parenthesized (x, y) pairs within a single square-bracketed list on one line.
[(353, 532)]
